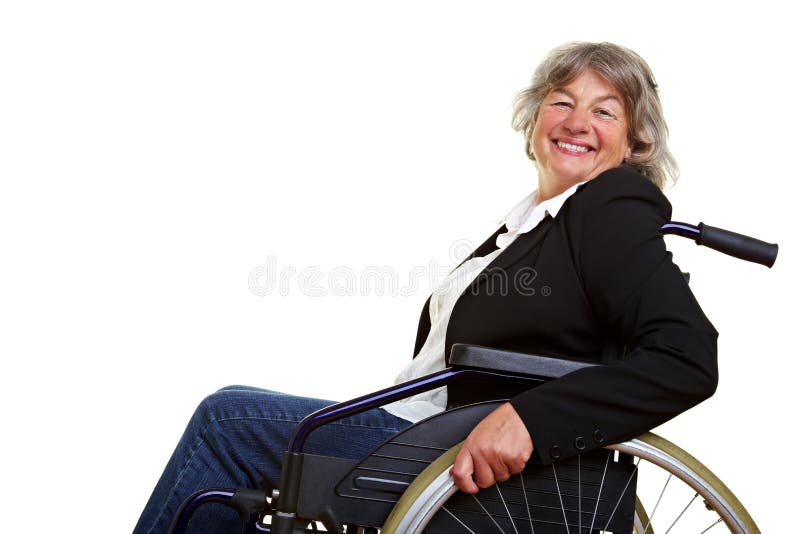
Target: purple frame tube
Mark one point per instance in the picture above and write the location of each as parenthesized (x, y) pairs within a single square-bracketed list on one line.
[(344, 409), (185, 512), (682, 229)]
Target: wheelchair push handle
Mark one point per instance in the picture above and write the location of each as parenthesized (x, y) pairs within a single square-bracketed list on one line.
[(737, 245)]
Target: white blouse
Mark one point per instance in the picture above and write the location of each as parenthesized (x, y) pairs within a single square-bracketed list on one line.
[(431, 358)]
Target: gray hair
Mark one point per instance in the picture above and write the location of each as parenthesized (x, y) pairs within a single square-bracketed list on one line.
[(631, 76)]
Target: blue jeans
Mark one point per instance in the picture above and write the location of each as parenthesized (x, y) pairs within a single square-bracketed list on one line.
[(237, 438)]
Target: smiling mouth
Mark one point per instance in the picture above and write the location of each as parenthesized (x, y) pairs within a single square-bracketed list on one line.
[(569, 147)]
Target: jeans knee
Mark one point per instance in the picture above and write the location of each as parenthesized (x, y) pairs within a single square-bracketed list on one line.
[(235, 387), (217, 405), (233, 402)]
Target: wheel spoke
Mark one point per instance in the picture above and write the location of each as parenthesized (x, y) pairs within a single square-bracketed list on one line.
[(655, 508), (579, 494), (600, 490), (457, 519), (714, 524), (525, 496), (682, 512), (560, 499), (496, 485), (621, 494), (488, 514)]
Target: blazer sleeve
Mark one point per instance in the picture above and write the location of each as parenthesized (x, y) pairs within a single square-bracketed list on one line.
[(640, 299)]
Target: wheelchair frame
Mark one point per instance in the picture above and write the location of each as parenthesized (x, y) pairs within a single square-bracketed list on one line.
[(366, 494)]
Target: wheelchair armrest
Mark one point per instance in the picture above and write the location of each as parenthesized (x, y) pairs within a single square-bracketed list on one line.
[(477, 357)]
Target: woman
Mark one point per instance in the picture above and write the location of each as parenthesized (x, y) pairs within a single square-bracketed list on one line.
[(589, 235)]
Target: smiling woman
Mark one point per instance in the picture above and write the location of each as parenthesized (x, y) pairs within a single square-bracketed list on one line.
[(592, 116), (591, 231), (616, 88), (581, 131), (154, 154)]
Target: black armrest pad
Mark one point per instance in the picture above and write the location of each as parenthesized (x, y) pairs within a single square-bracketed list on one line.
[(475, 356)]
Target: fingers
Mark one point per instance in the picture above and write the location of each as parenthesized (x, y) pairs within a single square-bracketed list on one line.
[(462, 472), (487, 473), (497, 448), (473, 470)]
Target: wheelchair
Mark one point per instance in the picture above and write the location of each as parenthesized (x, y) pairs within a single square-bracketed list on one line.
[(404, 485)]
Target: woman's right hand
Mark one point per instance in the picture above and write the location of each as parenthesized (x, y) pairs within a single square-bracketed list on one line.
[(498, 447)]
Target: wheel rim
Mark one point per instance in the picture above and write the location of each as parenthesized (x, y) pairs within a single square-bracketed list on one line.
[(692, 472), (434, 487)]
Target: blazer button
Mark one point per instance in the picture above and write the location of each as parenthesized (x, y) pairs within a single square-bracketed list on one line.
[(555, 452), (598, 437), (580, 444)]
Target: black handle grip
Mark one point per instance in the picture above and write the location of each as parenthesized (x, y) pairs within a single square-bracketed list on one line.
[(737, 245)]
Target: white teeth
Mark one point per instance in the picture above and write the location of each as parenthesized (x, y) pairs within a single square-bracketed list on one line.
[(572, 148)]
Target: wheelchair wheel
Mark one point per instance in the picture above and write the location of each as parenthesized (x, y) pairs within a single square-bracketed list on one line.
[(674, 493)]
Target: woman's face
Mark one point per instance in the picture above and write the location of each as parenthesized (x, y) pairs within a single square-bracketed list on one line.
[(580, 132)]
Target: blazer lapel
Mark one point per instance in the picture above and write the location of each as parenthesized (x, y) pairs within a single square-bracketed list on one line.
[(487, 247), (521, 246)]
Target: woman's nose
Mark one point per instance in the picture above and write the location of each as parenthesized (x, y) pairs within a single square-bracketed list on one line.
[(577, 121)]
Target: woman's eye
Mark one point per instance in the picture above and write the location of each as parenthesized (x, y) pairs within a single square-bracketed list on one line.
[(604, 113), (562, 105)]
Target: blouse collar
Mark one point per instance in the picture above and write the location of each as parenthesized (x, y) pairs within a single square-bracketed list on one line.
[(528, 213)]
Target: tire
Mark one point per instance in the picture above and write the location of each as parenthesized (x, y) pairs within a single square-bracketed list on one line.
[(702, 499)]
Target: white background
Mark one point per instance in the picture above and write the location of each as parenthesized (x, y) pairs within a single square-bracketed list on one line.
[(152, 154)]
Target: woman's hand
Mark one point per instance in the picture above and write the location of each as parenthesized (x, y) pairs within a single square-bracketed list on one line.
[(495, 449)]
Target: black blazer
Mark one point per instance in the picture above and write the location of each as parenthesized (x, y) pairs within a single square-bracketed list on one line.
[(596, 284)]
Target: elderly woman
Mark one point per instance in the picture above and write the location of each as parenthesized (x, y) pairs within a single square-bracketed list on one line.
[(593, 125)]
